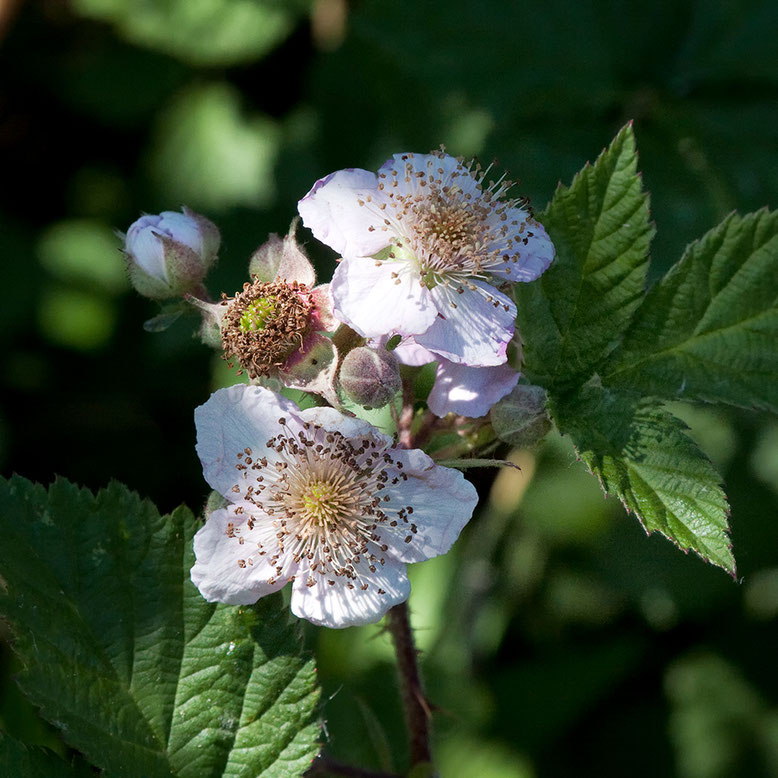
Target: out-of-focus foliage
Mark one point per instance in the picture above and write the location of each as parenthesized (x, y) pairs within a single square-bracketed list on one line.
[(203, 32), (557, 639)]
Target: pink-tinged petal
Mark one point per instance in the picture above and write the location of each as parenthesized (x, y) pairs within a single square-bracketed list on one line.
[(332, 212), (376, 298), (477, 331), (411, 353), (231, 571), (469, 391), (524, 261), (235, 419), (322, 316), (336, 605), (443, 502)]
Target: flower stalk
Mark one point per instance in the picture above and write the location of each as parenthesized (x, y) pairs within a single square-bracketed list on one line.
[(415, 705)]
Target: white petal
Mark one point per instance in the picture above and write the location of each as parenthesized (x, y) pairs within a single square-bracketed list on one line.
[(234, 419), (148, 251), (332, 211), (469, 391), (348, 426), (534, 256), (411, 353), (477, 331), (377, 298), (442, 501), (182, 229), (335, 605), (218, 572), (443, 168)]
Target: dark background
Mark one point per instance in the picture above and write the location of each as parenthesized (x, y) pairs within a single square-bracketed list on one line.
[(557, 639)]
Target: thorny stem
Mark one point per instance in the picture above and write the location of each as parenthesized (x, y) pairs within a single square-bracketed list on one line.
[(417, 709)]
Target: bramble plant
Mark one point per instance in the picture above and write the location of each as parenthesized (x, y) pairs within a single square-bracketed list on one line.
[(163, 645)]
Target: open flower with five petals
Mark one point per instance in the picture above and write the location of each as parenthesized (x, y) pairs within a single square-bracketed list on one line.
[(320, 500), (425, 244)]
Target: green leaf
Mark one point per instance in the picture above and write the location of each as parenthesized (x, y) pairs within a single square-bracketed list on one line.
[(125, 657), (23, 761), (641, 454), (573, 315), (708, 330)]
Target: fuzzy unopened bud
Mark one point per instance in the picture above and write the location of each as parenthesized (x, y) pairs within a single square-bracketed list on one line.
[(521, 418), (282, 260), (169, 254), (370, 377)]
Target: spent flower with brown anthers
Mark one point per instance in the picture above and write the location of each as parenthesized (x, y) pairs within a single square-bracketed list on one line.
[(272, 327)]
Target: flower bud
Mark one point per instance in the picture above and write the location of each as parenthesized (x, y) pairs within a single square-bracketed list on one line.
[(520, 418), (169, 254), (282, 260), (370, 377)]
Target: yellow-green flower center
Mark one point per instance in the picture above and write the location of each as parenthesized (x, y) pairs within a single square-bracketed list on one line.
[(265, 324), (258, 314), (322, 501)]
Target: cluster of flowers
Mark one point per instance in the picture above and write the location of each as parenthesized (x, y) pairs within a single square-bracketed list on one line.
[(318, 497)]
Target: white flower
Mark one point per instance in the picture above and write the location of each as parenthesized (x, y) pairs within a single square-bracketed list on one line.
[(424, 245), (320, 500), (169, 254)]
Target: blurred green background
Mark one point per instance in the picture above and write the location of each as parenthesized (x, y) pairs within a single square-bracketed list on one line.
[(557, 640)]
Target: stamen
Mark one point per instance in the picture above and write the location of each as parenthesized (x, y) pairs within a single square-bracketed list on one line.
[(454, 221), (320, 500)]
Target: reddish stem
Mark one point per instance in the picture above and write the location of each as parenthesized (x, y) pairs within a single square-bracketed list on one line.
[(417, 709)]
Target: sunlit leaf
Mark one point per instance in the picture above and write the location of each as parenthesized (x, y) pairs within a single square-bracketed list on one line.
[(708, 330), (573, 315), (124, 656), (642, 455), (85, 252), (76, 319)]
